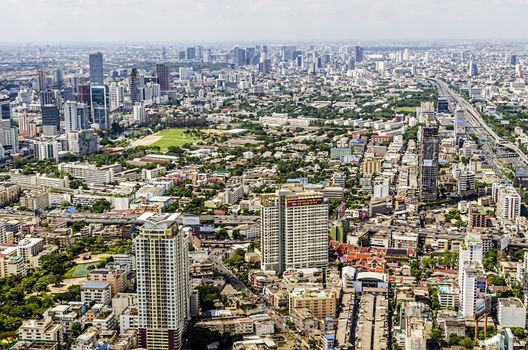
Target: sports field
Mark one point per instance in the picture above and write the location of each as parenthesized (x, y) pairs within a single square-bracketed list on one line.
[(172, 137), (80, 270), (405, 110)]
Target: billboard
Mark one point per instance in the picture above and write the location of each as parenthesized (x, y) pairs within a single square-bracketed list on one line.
[(480, 286), (299, 202), (482, 306)]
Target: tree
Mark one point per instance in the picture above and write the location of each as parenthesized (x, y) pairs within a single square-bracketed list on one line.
[(100, 206), (518, 331), (200, 337), (76, 329), (490, 259)]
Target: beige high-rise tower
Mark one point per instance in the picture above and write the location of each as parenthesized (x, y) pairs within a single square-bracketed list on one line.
[(163, 285)]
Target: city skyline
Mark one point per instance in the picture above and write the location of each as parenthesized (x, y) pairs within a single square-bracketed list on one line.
[(280, 21)]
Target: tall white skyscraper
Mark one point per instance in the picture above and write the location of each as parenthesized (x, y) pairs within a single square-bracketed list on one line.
[(76, 116), (163, 284), (294, 231), (406, 54), (473, 289), (470, 273), (116, 96)]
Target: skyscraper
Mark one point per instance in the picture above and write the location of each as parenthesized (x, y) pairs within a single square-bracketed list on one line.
[(99, 103), (58, 78), (472, 69), (83, 91), (460, 124), (96, 68), (470, 273), (50, 119), (190, 53), (41, 80), (429, 152), (162, 71), (8, 133), (359, 54), (116, 93), (133, 86), (294, 231), (162, 281), (76, 116)]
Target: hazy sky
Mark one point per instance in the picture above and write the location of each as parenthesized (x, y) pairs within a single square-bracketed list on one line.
[(260, 20)]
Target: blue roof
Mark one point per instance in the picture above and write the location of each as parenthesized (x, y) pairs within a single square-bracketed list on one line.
[(329, 318), (329, 336), (71, 210), (358, 140)]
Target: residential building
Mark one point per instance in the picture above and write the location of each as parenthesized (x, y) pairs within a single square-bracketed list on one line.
[(321, 302), (43, 330), (162, 281), (98, 292), (294, 231)]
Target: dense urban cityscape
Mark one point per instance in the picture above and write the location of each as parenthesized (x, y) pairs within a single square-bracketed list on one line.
[(325, 195)]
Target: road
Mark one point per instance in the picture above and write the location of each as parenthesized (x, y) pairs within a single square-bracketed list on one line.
[(479, 125)]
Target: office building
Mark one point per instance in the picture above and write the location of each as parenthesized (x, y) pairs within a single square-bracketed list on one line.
[(466, 183), (50, 120), (96, 68), (116, 93), (472, 69), (460, 124), (162, 71), (190, 53), (359, 54), (99, 104), (46, 149), (163, 283), (8, 133), (76, 116), (133, 86), (429, 152), (42, 83), (442, 105), (294, 231), (84, 94), (84, 141), (57, 79)]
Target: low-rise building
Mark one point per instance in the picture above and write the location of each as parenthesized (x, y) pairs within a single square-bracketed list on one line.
[(511, 313), (97, 292), (321, 302)]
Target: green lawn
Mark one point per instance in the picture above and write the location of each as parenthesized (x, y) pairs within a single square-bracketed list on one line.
[(173, 137), (80, 270), (405, 110)]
